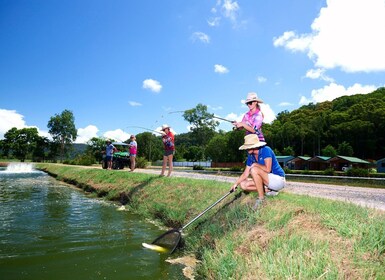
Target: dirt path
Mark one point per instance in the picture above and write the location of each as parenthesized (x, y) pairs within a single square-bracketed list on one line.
[(366, 197)]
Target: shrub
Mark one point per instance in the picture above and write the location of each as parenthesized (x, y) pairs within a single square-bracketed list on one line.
[(236, 168), (198, 167), (141, 162), (329, 171), (357, 172)]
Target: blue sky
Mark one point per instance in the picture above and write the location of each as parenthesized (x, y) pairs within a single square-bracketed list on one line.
[(119, 64)]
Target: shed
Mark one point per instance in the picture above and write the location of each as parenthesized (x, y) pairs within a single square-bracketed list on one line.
[(319, 163), (299, 163), (381, 165), (338, 162), (283, 160)]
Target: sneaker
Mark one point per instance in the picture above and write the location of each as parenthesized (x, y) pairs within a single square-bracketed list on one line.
[(271, 193), (258, 203)]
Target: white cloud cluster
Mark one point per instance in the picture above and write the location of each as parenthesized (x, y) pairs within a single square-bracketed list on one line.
[(347, 34), (261, 79), (10, 119), (332, 91), (134, 104), (200, 36), (220, 69), (152, 85), (85, 134), (117, 134), (228, 9), (318, 74)]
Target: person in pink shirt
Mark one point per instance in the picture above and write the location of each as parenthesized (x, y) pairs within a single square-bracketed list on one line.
[(252, 120), (133, 151), (169, 149)]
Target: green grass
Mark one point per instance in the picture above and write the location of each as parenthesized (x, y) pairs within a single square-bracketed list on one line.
[(290, 237)]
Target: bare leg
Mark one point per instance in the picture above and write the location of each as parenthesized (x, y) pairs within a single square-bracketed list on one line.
[(170, 165), (164, 165), (132, 159)]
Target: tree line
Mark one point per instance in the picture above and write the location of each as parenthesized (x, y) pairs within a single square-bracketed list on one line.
[(349, 126)]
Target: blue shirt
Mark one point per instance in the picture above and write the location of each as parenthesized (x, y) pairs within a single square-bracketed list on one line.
[(266, 152), (109, 150)]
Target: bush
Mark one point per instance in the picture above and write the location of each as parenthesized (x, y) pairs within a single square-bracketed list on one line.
[(141, 162), (236, 168), (198, 167), (329, 171), (358, 172)]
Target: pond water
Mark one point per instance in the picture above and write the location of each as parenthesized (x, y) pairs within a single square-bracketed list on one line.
[(49, 230)]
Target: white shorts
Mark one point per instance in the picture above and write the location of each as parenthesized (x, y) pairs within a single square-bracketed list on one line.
[(276, 182)]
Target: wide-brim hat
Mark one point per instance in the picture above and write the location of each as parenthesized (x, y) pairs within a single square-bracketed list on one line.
[(164, 127), (252, 96), (132, 136), (252, 141), (108, 141)]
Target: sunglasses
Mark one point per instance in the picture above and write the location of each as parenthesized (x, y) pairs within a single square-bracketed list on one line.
[(251, 102)]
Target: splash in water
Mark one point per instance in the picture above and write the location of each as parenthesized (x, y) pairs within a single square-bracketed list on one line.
[(20, 167)]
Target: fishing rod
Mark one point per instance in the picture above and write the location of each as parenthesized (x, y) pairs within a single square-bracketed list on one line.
[(147, 129), (219, 118)]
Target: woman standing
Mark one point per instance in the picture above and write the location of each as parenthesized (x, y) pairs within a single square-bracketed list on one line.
[(169, 149), (252, 120), (133, 151)]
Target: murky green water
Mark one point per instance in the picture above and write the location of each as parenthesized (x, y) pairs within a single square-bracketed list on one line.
[(52, 231)]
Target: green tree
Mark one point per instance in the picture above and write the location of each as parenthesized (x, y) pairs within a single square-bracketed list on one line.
[(344, 149), (202, 124), (63, 131), (329, 151), (288, 151), (150, 146), (96, 146), (21, 142), (216, 149)]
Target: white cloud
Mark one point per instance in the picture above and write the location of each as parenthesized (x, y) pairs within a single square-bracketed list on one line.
[(230, 10), (261, 79), (220, 69), (285, 104), (85, 134), (152, 85), (117, 134), (215, 108), (333, 91), (10, 119), (200, 36), (318, 74), (347, 35), (268, 113), (134, 104), (214, 21)]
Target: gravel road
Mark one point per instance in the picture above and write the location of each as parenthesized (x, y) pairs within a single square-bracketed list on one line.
[(366, 197)]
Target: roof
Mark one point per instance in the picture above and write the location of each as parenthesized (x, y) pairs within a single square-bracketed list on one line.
[(350, 159), (319, 158), (284, 157), (300, 158)]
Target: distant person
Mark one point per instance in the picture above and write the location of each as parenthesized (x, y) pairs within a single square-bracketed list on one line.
[(133, 151), (110, 149), (264, 169), (252, 120), (169, 149)]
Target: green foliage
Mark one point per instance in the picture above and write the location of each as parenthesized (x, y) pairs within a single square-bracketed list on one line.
[(141, 162), (150, 146), (357, 172), (63, 131), (23, 143), (288, 151), (345, 149), (198, 167), (329, 151), (329, 171)]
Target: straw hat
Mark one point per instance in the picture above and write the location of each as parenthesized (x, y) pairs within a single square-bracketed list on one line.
[(252, 141), (252, 96), (164, 127), (132, 136)]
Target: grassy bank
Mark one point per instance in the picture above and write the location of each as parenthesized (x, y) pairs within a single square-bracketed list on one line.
[(290, 237)]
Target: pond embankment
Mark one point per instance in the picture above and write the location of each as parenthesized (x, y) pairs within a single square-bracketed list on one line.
[(289, 237)]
